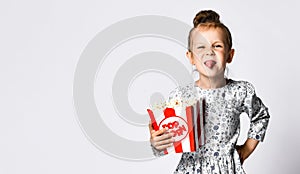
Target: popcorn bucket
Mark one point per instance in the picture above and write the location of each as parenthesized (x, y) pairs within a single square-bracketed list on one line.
[(186, 122)]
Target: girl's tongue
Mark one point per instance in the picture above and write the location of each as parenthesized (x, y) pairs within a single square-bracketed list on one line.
[(210, 63)]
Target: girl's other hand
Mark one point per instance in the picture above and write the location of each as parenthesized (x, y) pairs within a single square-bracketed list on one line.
[(243, 152), (161, 139), (246, 149)]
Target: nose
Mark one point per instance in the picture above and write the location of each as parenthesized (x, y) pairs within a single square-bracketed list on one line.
[(210, 52)]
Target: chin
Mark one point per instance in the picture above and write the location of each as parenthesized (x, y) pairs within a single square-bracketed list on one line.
[(214, 75)]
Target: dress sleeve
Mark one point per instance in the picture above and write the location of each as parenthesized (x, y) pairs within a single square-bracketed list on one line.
[(157, 153), (257, 112)]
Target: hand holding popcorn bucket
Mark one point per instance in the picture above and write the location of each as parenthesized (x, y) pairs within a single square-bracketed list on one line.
[(185, 122)]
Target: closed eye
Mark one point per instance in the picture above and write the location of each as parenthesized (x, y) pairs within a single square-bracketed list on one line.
[(218, 46), (200, 47)]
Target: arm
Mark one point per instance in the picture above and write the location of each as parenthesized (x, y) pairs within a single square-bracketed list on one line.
[(259, 119), (160, 140), (246, 149)]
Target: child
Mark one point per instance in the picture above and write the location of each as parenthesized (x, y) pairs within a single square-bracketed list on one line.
[(210, 49)]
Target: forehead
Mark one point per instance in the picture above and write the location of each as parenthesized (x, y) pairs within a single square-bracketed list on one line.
[(207, 34)]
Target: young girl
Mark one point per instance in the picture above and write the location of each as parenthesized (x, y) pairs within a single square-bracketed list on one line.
[(209, 50)]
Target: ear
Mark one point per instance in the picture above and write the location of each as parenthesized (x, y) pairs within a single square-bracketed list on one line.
[(189, 55), (230, 56)]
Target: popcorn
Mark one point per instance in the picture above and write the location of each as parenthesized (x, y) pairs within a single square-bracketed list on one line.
[(184, 119)]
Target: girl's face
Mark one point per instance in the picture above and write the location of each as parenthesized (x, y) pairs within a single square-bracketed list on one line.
[(209, 52)]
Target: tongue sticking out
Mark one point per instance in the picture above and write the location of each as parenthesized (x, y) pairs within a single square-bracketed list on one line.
[(210, 63)]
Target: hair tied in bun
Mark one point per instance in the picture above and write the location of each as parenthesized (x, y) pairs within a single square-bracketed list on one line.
[(206, 16)]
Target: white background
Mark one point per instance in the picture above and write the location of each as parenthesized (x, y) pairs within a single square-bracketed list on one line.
[(41, 42)]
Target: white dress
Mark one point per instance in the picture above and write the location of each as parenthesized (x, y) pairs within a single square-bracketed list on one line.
[(222, 126)]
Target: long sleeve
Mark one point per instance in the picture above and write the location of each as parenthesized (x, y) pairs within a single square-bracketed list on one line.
[(257, 112), (156, 152)]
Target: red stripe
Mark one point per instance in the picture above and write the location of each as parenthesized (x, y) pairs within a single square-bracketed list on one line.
[(198, 123), (189, 117), (154, 124), (203, 105), (178, 147), (153, 121)]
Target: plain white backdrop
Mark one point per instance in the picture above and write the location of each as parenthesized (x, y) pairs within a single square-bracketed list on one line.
[(41, 42)]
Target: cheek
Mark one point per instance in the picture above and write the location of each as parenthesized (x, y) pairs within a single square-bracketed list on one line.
[(199, 64), (197, 58), (221, 56)]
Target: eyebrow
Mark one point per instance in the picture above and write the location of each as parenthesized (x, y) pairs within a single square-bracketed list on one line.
[(218, 41), (199, 43), (204, 43)]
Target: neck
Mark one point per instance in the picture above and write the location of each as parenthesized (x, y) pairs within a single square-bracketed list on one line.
[(211, 82)]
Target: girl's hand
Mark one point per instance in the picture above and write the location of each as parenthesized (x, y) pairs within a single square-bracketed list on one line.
[(246, 149), (160, 139)]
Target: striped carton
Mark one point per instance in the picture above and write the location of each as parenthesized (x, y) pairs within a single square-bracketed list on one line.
[(185, 121)]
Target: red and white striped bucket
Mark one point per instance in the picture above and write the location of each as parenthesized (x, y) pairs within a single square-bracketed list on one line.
[(186, 122)]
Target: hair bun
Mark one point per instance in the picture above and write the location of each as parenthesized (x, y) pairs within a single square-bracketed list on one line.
[(206, 16)]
